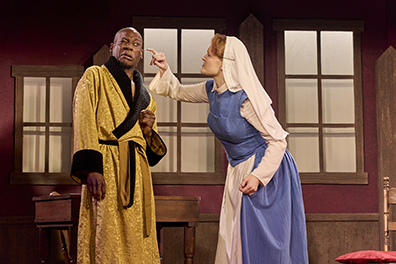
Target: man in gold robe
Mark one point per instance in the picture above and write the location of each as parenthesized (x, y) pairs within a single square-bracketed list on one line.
[(115, 142)]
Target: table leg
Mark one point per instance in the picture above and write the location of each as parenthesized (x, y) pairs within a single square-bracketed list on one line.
[(189, 244), (73, 243), (63, 246), (45, 244)]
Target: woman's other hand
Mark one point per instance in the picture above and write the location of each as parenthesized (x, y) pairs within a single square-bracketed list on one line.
[(249, 185)]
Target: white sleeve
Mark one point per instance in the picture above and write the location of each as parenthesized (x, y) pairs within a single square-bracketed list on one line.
[(169, 85), (275, 151)]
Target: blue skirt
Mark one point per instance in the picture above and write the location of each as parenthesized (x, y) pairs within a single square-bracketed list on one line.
[(273, 228)]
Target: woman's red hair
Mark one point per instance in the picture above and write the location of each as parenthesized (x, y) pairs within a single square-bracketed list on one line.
[(218, 45)]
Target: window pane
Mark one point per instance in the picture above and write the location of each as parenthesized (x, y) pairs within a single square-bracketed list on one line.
[(197, 154), (166, 107), (60, 144), (194, 112), (194, 46), (301, 101), (33, 157), (303, 144), (337, 52), (61, 100), (300, 52), (33, 99), (339, 150), (169, 162), (338, 101), (162, 40)]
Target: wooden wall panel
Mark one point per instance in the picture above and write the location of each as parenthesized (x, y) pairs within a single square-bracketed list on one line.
[(205, 241), (329, 236), (19, 242), (332, 235)]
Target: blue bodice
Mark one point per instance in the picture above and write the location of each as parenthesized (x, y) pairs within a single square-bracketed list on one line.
[(239, 138)]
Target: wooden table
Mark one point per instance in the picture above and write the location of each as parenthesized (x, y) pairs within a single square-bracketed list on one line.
[(60, 212)]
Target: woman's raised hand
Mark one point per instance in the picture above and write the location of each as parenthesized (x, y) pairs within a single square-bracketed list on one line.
[(159, 60)]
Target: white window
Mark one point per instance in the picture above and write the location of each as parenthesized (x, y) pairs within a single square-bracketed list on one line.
[(194, 154), (43, 123), (321, 98)]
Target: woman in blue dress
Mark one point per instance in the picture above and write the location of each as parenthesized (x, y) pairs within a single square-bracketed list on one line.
[(262, 219)]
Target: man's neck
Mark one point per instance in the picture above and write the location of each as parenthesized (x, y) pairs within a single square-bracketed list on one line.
[(129, 72)]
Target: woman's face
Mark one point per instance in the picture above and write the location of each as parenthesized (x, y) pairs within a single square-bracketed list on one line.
[(211, 64)]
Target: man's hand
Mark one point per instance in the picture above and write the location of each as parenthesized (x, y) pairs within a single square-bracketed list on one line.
[(146, 120), (159, 60), (249, 185), (96, 185)]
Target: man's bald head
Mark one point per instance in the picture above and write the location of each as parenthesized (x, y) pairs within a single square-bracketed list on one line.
[(126, 28), (127, 48)]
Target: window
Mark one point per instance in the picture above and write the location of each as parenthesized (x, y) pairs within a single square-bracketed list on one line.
[(194, 156), (320, 98), (43, 123)]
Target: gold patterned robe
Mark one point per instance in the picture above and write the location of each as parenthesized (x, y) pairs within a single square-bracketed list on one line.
[(108, 231)]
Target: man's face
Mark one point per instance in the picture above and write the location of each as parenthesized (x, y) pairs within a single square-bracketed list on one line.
[(127, 48)]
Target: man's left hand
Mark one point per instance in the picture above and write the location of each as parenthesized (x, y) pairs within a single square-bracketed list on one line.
[(146, 120)]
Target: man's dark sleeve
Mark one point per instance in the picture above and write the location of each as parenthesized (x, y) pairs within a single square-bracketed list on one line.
[(157, 150), (85, 161)]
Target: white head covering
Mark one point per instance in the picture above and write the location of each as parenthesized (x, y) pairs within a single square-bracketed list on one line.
[(239, 75)]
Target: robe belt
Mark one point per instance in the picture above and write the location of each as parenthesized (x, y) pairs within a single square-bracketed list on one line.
[(128, 176)]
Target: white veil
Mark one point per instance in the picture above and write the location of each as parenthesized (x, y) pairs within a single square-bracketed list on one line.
[(239, 74)]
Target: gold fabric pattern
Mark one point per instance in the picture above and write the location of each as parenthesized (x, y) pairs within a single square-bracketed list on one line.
[(108, 231), (124, 182), (157, 146)]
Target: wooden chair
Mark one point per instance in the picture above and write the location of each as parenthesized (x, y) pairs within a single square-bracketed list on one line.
[(389, 199), (374, 256)]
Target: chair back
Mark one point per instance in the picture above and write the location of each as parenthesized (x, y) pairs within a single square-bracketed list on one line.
[(389, 199)]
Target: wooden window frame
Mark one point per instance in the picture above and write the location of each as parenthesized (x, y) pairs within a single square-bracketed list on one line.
[(19, 72), (280, 25), (178, 177)]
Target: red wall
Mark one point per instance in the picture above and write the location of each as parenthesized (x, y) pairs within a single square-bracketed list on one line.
[(57, 33)]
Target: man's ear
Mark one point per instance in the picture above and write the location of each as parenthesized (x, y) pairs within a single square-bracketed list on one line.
[(111, 47), (141, 54)]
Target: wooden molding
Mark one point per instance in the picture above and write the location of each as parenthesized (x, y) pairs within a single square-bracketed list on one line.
[(318, 24), (251, 33), (385, 69)]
